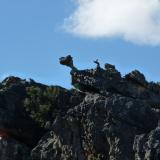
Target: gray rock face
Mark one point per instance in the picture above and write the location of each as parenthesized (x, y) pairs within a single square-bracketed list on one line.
[(147, 146), (99, 127), (18, 126), (107, 117), (14, 121), (62, 143)]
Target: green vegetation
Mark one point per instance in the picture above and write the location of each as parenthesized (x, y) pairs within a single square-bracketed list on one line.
[(77, 86), (41, 103)]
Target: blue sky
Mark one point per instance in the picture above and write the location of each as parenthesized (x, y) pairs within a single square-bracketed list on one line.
[(32, 39)]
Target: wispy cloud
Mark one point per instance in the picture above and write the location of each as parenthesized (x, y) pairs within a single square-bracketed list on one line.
[(133, 20)]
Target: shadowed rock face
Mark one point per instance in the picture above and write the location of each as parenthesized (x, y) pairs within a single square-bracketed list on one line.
[(14, 120), (11, 149), (147, 146), (107, 117), (24, 107)]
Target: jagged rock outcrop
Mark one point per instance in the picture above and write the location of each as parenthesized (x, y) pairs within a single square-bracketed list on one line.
[(147, 146), (14, 121), (109, 80), (107, 117), (27, 111), (99, 127)]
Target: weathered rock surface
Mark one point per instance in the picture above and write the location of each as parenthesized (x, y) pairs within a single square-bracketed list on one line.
[(99, 127), (10, 149), (107, 117), (147, 146), (27, 111), (14, 121)]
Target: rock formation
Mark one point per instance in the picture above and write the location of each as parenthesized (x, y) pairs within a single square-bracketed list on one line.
[(106, 117)]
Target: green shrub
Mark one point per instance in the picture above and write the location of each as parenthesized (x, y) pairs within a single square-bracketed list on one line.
[(41, 103)]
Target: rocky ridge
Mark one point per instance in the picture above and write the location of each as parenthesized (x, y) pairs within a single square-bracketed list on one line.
[(106, 117)]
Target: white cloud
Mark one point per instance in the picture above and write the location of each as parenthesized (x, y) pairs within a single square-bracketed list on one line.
[(133, 20)]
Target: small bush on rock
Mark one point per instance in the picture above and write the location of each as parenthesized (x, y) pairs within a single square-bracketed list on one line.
[(41, 103)]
